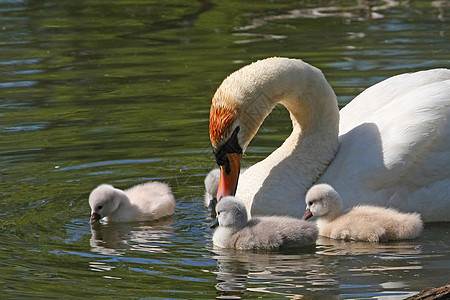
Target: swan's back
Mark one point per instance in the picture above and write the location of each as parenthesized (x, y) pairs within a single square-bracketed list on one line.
[(395, 146), (366, 105)]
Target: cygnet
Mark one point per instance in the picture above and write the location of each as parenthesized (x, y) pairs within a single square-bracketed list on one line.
[(144, 202), (211, 187), (361, 223), (234, 230)]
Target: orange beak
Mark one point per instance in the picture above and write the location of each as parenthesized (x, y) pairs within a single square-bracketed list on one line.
[(228, 181)]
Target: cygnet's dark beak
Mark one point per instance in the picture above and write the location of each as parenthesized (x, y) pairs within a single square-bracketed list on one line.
[(94, 218), (215, 223), (308, 214)]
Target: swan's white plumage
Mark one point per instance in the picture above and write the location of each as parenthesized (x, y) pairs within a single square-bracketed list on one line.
[(400, 155), (144, 202), (394, 139), (361, 223), (235, 231)]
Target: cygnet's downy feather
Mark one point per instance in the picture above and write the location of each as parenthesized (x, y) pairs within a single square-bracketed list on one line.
[(361, 223), (143, 202), (236, 231)]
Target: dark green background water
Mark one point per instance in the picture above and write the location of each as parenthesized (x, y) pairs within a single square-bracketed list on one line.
[(118, 92)]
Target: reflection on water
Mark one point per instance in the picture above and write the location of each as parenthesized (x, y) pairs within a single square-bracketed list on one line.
[(361, 10), (326, 246), (119, 238), (345, 269), (333, 267), (116, 239), (297, 272)]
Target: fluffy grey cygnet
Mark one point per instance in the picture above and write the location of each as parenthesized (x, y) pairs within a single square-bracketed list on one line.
[(236, 231), (144, 202), (361, 223)]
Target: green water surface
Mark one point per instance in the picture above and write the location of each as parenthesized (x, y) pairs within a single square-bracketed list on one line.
[(118, 92)]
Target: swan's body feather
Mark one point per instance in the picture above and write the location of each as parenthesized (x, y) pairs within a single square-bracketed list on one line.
[(395, 153)]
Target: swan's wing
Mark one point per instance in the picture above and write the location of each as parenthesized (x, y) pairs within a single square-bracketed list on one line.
[(396, 150), (376, 97)]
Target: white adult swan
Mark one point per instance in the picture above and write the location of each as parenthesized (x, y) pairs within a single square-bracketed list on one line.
[(391, 146)]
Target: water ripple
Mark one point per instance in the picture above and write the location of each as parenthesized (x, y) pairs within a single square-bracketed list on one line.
[(110, 163)]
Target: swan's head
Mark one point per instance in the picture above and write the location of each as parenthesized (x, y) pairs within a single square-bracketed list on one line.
[(104, 200), (239, 106), (231, 213), (322, 201)]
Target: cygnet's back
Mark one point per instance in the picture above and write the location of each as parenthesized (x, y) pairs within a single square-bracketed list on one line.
[(153, 198), (361, 223), (273, 232)]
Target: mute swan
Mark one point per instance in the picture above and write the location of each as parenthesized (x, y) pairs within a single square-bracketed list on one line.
[(144, 202), (391, 146), (361, 223), (235, 231)]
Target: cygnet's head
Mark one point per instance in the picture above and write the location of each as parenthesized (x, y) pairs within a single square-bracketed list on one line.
[(104, 200), (322, 200), (231, 213), (211, 187)]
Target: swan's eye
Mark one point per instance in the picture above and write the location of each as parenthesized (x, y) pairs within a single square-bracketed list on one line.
[(100, 207), (309, 203), (230, 146), (218, 213)]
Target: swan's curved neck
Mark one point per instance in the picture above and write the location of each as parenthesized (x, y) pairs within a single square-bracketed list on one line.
[(312, 104), (245, 99)]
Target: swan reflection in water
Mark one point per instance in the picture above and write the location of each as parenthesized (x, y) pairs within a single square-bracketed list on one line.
[(264, 271), (332, 267), (116, 239), (327, 246)]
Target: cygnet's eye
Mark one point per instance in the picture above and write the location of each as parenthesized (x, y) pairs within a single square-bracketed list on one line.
[(218, 213), (309, 203), (100, 207)]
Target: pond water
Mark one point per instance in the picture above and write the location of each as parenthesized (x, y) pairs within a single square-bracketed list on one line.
[(118, 92)]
